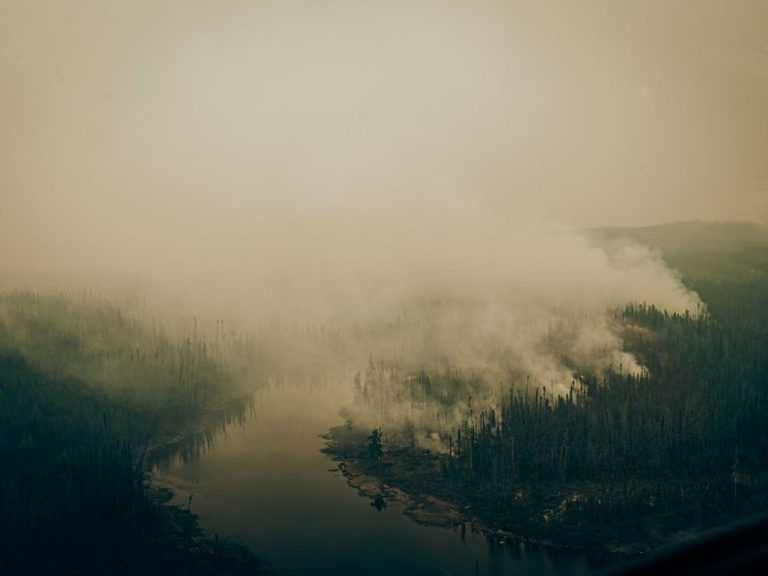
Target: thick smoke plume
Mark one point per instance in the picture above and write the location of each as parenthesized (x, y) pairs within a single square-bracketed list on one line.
[(470, 290), (449, 284), (431, 282)]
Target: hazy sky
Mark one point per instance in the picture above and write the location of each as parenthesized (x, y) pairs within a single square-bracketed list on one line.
[(146, 128)]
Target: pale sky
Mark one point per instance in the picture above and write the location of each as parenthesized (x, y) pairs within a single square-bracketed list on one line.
[(138, 128)]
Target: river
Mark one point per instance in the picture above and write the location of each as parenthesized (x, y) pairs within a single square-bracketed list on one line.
[(266, 484)]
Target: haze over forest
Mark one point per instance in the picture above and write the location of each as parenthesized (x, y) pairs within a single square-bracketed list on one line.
[(509, 257), (338, 162)]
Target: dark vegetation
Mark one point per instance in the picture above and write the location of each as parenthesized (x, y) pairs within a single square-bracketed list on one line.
[(93, 392), (622, 461), (89, 391)]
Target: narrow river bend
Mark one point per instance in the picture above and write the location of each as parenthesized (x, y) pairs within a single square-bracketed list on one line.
[(266, 484)]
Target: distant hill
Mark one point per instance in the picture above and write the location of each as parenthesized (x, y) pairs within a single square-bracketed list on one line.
[(690, 237), (722, 250)]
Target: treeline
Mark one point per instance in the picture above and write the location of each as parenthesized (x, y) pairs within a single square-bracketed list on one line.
[(88, 387), (620, 459), (127, 351)]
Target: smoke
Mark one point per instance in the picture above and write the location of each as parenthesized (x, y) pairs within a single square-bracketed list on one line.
[(492, 295), (395, 173), (446, 283), (432, 281), (477, 301)]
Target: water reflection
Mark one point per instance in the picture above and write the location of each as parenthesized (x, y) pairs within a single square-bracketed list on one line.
[(236, 412), (307, 378)]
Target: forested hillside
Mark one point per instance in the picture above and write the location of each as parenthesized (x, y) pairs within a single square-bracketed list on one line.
[(88, 389), (623, 460)]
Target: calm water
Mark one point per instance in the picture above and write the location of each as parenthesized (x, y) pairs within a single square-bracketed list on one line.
[(266, 484)]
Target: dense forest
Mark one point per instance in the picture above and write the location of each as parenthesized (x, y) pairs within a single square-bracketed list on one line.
[(623, 460), (90, 389)]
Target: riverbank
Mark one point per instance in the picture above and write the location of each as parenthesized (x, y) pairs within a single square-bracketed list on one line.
[(197, 550), (74, 496), (399, 476), (209, 553), (424, 509)]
